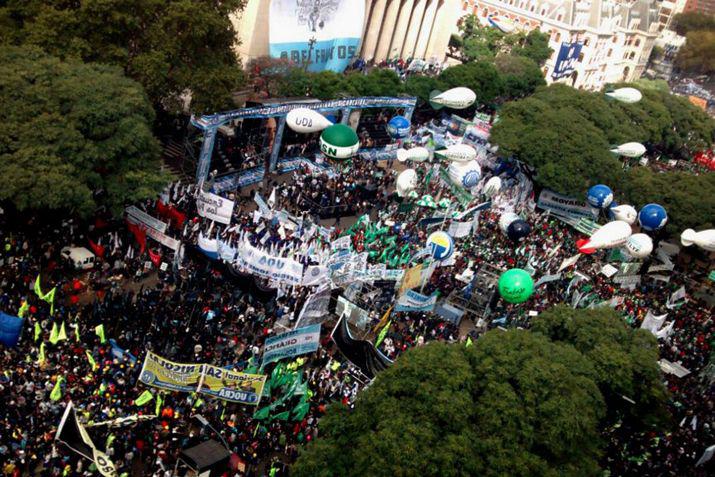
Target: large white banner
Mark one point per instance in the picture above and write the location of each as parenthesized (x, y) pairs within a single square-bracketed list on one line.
[(316, 306), (564, 206), (214, 207), (325, 34), (268, 266)]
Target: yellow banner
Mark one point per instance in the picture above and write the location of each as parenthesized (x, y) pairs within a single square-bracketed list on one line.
[(232, 386), (412, 279), (164, 374)]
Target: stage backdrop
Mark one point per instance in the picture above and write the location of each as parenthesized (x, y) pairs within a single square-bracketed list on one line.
[(335, 25)]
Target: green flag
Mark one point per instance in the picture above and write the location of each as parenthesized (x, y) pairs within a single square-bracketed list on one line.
[(301, 410), (262, 413), (382, 334), (469, 342), (283, 416), (76, 332), (54, 334), (144, 398), (91, 360), (50, 298), (62, 335), (110, 439), (99, 331), (159, 403), (23, 309), (56, 393), (38, 331), (38, 290), (41, 354)]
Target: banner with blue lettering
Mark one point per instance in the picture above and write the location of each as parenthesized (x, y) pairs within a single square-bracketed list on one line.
[(10, 329), (566, 60), (293, 343), (323, 33), (413, 301)]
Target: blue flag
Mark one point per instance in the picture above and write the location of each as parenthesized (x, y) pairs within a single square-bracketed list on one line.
[(10, 329)]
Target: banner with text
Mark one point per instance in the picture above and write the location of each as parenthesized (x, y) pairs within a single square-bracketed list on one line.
[(293, 343)]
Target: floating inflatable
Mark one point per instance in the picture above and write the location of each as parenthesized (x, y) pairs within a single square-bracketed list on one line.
[(610, 235), (465, 174), (416, 154), (406, 182), (455, 98), (625, 212), (440, 245), (339, 142), (600, 196), (639, 245), (704, 239), (652, 217), (492, 187), (516, 285), (304, 120), (625, 95), (458, 153), (398, 127), (630, 149)]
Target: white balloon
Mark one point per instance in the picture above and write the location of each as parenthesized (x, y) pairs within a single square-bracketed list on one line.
[(406, 182), (704, 239), (455, 98), (625, 212), (492, 187), (630, 149), (458, 153), (304, 120), (506, 219), (639, 245), (610, 235), (625, 95), (416, 154), (465, 174)]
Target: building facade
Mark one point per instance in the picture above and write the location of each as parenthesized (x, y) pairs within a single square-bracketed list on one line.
[(391, 29), (702, 6), (612, 39)]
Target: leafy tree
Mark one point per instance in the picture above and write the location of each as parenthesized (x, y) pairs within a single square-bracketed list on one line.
[(379, 82), (170, 47), (688, 198), (72, 129), (686, 22), (277, 76), (520, 75), (698, 54), (566, 134), (478, 42), (481, 77), (421, 86), (625, 360), (512, 404), (533, 45)]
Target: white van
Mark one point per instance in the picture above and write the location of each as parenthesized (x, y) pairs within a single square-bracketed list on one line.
[(79, 257)]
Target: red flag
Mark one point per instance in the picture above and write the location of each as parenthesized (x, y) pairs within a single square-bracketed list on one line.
[(139, 234), (155, 257), (96, 248), (162, 210), (177, 217)]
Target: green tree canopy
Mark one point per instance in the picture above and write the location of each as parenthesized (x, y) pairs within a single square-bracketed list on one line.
[(520, 75), (566, 134), (625, 359), (72, 129), (170, 47), (481, 77), (686, 22), (512, 404), (698, 54)]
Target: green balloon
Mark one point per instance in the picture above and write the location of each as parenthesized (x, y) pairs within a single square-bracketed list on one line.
[(516, 285), (339, 142)]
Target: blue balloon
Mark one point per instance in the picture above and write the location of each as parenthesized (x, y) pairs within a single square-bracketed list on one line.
[(332, 118), (398, 127), (600, 196), (517, 230), (652, 217)]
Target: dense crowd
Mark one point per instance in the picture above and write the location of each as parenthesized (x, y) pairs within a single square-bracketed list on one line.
[(193, 309)]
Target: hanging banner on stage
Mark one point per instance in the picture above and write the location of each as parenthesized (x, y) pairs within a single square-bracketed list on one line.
[(324, 34), (260, 263), (164, 374), (214, 207), (293, 343), (231, 386)]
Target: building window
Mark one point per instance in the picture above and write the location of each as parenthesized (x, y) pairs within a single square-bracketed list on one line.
[(559, 17), (610, 50), (558, 36), (543, 12), (586, 41), (632, 55), (485, 13), (638, 42), (465, 5), (580, 57)]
